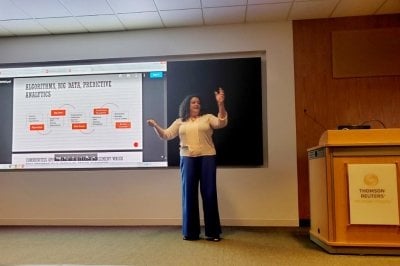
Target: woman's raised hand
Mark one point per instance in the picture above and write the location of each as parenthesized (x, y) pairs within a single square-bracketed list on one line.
[(220, 95)]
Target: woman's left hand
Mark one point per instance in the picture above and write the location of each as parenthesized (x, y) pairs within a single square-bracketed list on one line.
[(220, 95)]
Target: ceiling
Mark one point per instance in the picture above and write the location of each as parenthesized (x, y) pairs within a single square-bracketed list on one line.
[(46, 17)]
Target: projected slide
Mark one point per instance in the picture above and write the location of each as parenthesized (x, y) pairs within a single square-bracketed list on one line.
[(85, 117), (78, 113)]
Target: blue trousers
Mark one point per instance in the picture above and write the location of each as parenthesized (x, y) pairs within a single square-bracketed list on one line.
[(194, 171)]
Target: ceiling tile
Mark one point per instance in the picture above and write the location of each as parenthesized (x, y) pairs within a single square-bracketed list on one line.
[(57, 25), (224, 15), (98, 15), (23, 27), (9, 10), (42, 8), (220, 3), (129, 6), (353, 8), (101, 23), (267, 12), (87, 7), (312, 9), (182, 18), (390, 7), (177, 4), (141, 20)]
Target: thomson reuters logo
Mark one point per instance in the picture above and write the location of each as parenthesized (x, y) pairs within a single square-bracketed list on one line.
[(371, 180)]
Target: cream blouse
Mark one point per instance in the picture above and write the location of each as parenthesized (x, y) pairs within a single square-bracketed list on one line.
[(195, 135)]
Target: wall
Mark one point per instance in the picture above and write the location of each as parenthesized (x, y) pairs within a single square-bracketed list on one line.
[(330, 101), (264, 196)]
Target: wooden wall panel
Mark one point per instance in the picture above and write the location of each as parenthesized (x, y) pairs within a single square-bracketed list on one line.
[(323, 102), (366, 53)]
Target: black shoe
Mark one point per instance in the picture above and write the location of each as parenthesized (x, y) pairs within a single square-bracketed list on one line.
[(213, 238), (191, 238)]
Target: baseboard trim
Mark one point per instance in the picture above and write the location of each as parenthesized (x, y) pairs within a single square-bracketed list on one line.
[(138, 222)]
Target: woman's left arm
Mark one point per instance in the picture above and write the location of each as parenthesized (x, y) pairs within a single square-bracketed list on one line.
[(222, 119), (220, 98)]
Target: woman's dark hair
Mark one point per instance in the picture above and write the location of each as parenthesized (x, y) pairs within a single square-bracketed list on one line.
[(184, 107)]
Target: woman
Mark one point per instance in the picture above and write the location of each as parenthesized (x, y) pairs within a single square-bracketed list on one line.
[(197, 163)]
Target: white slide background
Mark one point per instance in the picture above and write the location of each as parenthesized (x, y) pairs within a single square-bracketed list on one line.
[(122, 97)]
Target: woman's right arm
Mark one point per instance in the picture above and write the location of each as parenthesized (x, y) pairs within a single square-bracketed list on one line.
[(159, 131), (168, 133)]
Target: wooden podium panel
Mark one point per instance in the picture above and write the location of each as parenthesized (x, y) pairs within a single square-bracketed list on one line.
[(331, 205), (361, 137)]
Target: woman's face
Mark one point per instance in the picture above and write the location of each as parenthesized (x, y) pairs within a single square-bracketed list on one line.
[(195, 106)]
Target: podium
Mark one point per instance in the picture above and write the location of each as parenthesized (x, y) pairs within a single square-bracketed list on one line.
[(354, 191)]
